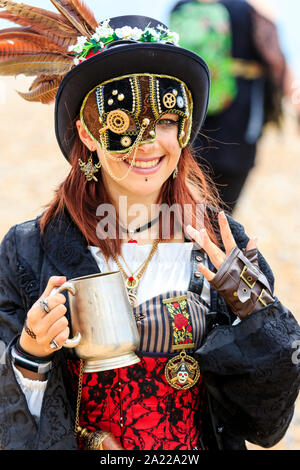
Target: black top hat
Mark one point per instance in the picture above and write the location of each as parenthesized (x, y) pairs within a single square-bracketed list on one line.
[(128, 57)]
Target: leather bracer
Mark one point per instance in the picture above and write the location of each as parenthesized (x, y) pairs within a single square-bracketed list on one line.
[(241, 283)]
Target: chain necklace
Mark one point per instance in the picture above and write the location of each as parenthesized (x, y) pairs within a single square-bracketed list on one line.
[(132, 281), (131, 232)]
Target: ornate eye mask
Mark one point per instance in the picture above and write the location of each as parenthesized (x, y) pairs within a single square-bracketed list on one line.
[(114, 112)]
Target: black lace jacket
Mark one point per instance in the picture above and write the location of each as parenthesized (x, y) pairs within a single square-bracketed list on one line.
[(251, 378)]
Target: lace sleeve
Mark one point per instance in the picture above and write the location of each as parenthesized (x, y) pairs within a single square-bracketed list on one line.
[(250, 371)]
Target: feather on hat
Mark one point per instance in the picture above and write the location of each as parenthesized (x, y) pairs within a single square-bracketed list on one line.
[(40, 46)]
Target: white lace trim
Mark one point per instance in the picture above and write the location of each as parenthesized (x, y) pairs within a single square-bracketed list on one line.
[(34, 392)]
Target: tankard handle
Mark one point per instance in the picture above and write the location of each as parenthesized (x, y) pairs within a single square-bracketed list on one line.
[(69, 286)]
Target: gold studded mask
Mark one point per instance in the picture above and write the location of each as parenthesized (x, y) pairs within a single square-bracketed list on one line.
[(113, 112)]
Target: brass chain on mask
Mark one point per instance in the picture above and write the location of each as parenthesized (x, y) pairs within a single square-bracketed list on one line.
[(107, 155)]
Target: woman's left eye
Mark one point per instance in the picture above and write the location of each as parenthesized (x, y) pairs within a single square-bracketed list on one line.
[(167, 122)]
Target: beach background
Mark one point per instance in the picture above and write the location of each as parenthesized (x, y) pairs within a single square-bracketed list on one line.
[(32, 166)]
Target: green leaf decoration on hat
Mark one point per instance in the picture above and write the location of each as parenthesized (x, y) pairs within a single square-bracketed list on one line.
[(105, 34)]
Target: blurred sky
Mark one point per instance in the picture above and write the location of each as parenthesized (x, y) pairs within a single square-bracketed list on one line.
[(287, 14)]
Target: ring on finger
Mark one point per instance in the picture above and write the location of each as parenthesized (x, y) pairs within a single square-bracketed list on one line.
[(54, 345), (44, 305)]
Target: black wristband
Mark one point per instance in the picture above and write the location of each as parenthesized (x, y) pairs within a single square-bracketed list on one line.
[(32, 365), (30, 357)]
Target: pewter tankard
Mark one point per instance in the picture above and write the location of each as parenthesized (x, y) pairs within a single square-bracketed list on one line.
[(102, 320)]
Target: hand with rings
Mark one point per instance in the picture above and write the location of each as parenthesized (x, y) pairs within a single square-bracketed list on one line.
[(46, 328)]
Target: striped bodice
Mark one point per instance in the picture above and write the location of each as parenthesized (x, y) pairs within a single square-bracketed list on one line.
[(154, 325)]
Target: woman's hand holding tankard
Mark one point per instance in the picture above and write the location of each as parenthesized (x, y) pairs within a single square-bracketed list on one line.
[(46, 328), (238, 278)]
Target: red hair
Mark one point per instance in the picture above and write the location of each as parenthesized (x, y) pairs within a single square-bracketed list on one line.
[(80, 198)]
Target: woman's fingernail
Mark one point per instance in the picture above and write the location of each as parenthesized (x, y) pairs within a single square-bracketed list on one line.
[(190, 229)]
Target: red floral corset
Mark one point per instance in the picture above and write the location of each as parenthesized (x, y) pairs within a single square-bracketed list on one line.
[(139, 407), (137, 403)]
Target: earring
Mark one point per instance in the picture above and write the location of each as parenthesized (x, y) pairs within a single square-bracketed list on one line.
[(175, 173), (89, 169)]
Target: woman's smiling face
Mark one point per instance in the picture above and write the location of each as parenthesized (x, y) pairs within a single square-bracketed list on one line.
[(154, 162)]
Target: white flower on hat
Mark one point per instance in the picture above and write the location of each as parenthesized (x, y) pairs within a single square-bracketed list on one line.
[(96, 36), (155, 34), (125, 32), (136, 33), (103, 30), (105, 34), (78, 47)]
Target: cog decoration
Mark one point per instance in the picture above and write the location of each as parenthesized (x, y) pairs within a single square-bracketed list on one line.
[(118, 121), (169, 100), (126, 141)]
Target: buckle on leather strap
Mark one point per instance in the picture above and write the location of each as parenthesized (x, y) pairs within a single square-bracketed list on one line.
[(247, 279), (263, 291)]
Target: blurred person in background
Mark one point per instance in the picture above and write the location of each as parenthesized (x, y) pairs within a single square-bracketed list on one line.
[(250, 77)]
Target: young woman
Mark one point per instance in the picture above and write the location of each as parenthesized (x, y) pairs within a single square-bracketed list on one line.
[(216, 348)]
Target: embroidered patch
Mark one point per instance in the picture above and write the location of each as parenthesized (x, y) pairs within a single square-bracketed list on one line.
[(180, 321), (182, 371)]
